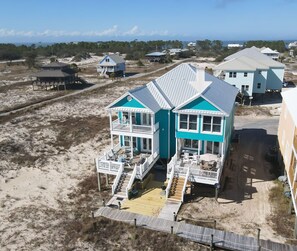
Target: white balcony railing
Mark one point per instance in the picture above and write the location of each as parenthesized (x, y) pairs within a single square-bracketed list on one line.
[(132, 178), (116, 180), (195, 171), (121, 126), (143, 169)]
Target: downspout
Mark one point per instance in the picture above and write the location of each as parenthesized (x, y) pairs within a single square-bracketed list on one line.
[(169, 134)]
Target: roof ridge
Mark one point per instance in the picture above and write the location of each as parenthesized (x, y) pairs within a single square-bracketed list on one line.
[(161, 94)]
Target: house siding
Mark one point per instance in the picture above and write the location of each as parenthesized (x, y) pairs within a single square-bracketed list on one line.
[(133, 103), (241, 80), (200, 104), (162, 117), (260, 76), (275, 78)]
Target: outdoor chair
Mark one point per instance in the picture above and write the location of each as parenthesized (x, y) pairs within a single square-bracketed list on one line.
[(186, 157)]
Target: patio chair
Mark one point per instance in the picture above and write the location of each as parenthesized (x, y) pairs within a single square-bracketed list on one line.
[(195, 159), (186, 157)]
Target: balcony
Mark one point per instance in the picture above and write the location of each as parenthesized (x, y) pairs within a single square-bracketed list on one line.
[(206, 170), (120, 157), (119, 126)]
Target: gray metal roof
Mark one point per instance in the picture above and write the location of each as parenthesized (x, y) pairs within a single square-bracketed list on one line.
[(155, 54), (241, 63), (55, 65), (114, 57), (180, 85), (255, 54)]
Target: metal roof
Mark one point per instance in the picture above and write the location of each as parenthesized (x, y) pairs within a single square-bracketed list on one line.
[(255, 54), (114, 57), (155, 54), (183, 84), (290, 98), (55, 65), (242, 63), (268, 51)]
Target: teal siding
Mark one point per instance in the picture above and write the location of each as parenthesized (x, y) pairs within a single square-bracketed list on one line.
[(199, 136), (172, 134), (126, 103), (200, 104), (162, 117)]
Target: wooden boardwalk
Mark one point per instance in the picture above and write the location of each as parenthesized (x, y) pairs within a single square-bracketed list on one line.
[(225, 240), (169, 208)]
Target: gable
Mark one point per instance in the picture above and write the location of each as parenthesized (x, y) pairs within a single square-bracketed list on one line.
[(109, 62), (200, 104), (128, 102)]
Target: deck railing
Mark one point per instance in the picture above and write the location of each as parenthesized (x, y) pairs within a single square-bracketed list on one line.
[(295, 142), (142, 169), (117, 179), (169, 182), (118, 125)]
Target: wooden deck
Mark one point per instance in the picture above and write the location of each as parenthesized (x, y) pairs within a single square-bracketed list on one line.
[(226, 240), (168, 210)]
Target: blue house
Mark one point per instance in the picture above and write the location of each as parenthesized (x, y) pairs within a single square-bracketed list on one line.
[(185, 116)]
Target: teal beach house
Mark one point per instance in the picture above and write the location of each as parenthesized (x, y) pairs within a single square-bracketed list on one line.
[(184, 117)]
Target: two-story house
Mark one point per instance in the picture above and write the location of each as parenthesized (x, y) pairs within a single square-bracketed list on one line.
[(112, 63), (251, 72), (185, 116), (287, 140)]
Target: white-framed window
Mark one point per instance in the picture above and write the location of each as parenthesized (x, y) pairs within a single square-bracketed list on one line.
[(188, 122), (245, 88), (107, 59), (191, 143), (245, 74), (212, 124), (259, 85)]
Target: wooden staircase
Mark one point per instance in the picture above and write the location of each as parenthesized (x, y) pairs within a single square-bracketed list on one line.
[(176, 190), (122, 185)]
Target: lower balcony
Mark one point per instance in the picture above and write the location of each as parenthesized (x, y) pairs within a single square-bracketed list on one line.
[(117, 157), (205, 169)]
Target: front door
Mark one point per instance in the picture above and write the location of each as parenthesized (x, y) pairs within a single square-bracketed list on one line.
[(146, 145), (212, 147)]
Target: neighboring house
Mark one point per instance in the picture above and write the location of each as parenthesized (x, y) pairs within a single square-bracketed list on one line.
[(292, 45), (54, 74), (232, 46), (112, 63), (270, 53), (156, 56), (175, 51), (287, 139), (181, 115), (251, 72)]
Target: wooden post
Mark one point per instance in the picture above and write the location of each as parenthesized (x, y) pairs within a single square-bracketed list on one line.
[(211, 242), (295, 228), (171, 229), (106, 176), (214, 224), (135, 223), (258, 239), (174, 216), (99, 183)]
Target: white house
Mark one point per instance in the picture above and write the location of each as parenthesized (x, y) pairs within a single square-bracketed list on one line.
[(112, 63), (251, 72), (231, 46), (270, 53)]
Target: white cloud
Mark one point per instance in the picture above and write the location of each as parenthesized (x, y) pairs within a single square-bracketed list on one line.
[(112, 31), (133, 31)]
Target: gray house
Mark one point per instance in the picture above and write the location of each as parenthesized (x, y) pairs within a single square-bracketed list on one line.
[(112, 63)]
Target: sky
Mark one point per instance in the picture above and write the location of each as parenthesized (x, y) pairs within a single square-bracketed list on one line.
[(187, 20)]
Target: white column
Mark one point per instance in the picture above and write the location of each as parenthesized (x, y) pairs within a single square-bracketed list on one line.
[(130, 119), (199, 147), (152, 146), (131, 146), (152, 122), (112, 145), (110, 119), (222, 151)]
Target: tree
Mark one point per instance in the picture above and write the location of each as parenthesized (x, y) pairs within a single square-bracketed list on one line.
[(30, 57)]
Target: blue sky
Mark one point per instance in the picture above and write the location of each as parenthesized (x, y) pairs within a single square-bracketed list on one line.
[(97, 20)]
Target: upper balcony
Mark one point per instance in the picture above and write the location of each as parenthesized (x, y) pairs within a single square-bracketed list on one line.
[(121, 126)]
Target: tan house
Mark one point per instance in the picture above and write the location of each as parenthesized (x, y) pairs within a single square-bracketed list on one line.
[(287, 139)]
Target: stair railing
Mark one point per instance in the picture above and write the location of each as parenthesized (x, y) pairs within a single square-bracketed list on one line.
[(185, 184), (117, 179), (132, 178), (170, 181)]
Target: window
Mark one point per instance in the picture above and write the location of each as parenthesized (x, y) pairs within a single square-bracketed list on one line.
[(189, 143), (125, 117), (212, 124), (232, 74), (245, 88), (259, 85), (260, 72), (107, 60), (188, 122), (245, 74)]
